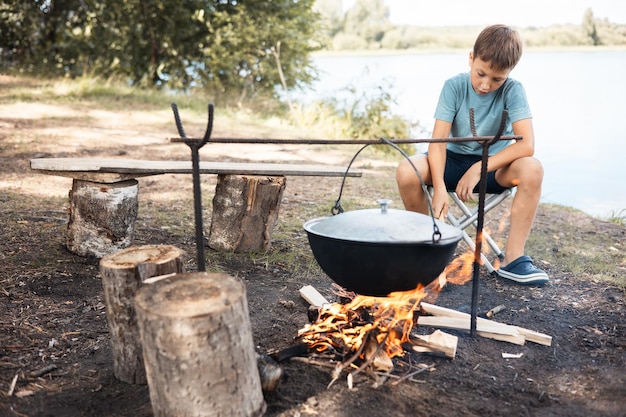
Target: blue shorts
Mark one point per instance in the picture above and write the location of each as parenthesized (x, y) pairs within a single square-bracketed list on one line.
[(457, 164)]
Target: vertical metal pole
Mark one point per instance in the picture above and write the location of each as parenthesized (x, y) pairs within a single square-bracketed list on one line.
[(482, 192), (195, 146), (197, 203)]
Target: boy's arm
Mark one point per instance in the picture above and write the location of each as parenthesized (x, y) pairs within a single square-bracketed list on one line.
[(437, 163), (517, 150)]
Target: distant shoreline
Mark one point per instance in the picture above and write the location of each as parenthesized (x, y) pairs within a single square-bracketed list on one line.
[(416, 51)]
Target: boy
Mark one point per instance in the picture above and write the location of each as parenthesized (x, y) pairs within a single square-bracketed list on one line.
[(456, 166)]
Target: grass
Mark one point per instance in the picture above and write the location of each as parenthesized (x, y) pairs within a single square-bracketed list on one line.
[(567, 241), (617, 217)]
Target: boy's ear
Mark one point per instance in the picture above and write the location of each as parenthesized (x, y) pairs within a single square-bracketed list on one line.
[(471, 58)]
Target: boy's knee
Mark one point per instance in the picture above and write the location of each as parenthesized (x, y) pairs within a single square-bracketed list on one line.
[(532, 172), (536, 169), (405, 173)]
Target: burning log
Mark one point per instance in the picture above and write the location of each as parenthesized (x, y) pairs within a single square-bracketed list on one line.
[(366, 333), (123, 273), (198, 347)]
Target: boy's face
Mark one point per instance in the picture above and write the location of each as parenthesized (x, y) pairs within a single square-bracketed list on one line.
[(484, 78)]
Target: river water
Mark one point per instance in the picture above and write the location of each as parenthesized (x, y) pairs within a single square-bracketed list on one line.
[(577, 100)]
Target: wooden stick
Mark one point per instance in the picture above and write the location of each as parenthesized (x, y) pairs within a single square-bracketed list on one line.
[(463, 323), (312, 296), (530, 335), (533, 336), (495, 310)]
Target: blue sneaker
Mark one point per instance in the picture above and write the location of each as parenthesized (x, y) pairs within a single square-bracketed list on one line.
[(523, 271)]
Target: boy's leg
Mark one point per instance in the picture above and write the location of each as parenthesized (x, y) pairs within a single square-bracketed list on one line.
[(527, 175), (409, 184)]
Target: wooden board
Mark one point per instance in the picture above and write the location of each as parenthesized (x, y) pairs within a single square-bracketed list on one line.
[(530, 335), (114, 169)]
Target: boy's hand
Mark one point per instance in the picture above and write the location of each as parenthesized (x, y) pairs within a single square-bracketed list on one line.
[(467, 183)]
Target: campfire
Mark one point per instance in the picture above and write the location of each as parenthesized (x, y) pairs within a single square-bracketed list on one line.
[(378, 336)]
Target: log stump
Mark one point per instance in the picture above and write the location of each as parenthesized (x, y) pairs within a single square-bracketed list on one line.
[(123, 273), (198, 348), (102, 217), (245, 212)]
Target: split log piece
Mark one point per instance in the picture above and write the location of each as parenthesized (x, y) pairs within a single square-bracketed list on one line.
[(245, 212), (530, 335), (102, 217), (463, 323), (198, 348), (312, 296), (123, 273), (436, 342), (377, 356)]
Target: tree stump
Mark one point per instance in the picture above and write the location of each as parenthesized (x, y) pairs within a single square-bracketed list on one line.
[(245, 212), (123, 273), (198, 348), (102, 217)]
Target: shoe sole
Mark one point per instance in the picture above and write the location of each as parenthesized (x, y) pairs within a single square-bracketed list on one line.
[(537, 278)]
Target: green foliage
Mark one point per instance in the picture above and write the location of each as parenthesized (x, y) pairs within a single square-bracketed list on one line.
[(356, 116), (618, 217), (366, 26), (226, 46)]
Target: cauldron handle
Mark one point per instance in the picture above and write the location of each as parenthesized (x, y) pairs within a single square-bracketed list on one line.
[(337, 209)]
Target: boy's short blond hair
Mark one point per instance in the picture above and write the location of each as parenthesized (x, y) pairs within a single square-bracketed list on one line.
[(499, 45)]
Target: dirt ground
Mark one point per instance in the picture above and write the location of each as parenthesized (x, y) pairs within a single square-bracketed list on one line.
[(52, 310)]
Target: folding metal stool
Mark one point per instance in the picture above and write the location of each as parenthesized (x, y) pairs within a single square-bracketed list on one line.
[(470, 217)]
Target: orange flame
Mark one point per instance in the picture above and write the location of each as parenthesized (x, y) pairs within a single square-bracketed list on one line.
[(345, 327)]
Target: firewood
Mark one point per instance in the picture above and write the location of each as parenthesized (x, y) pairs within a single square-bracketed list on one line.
[(437, 342), (530, 335), (516, 339), (463, 323), (245, 212), (376, 356), (533, 336), (312, 296), (123, 273), (198, 349), (102, 217)]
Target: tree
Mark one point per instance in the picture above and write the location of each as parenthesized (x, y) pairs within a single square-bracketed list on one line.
[(222, 45), (589, 27), (368, 19), (331, 12)]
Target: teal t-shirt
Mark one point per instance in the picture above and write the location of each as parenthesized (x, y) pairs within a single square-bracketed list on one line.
[(457, 97)]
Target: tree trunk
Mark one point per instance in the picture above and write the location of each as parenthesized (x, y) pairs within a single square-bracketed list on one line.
[(123, 273), (245, 212), (102, 217), (198, 347)]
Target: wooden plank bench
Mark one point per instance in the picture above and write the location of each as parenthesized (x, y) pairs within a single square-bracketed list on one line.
[(104, 199)]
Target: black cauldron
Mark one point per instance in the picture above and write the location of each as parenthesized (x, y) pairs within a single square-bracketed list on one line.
[(378, 251)]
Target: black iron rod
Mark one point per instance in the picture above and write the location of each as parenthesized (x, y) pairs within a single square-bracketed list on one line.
[(197, 206), (195, 145), (347, 141), (482, 192)]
